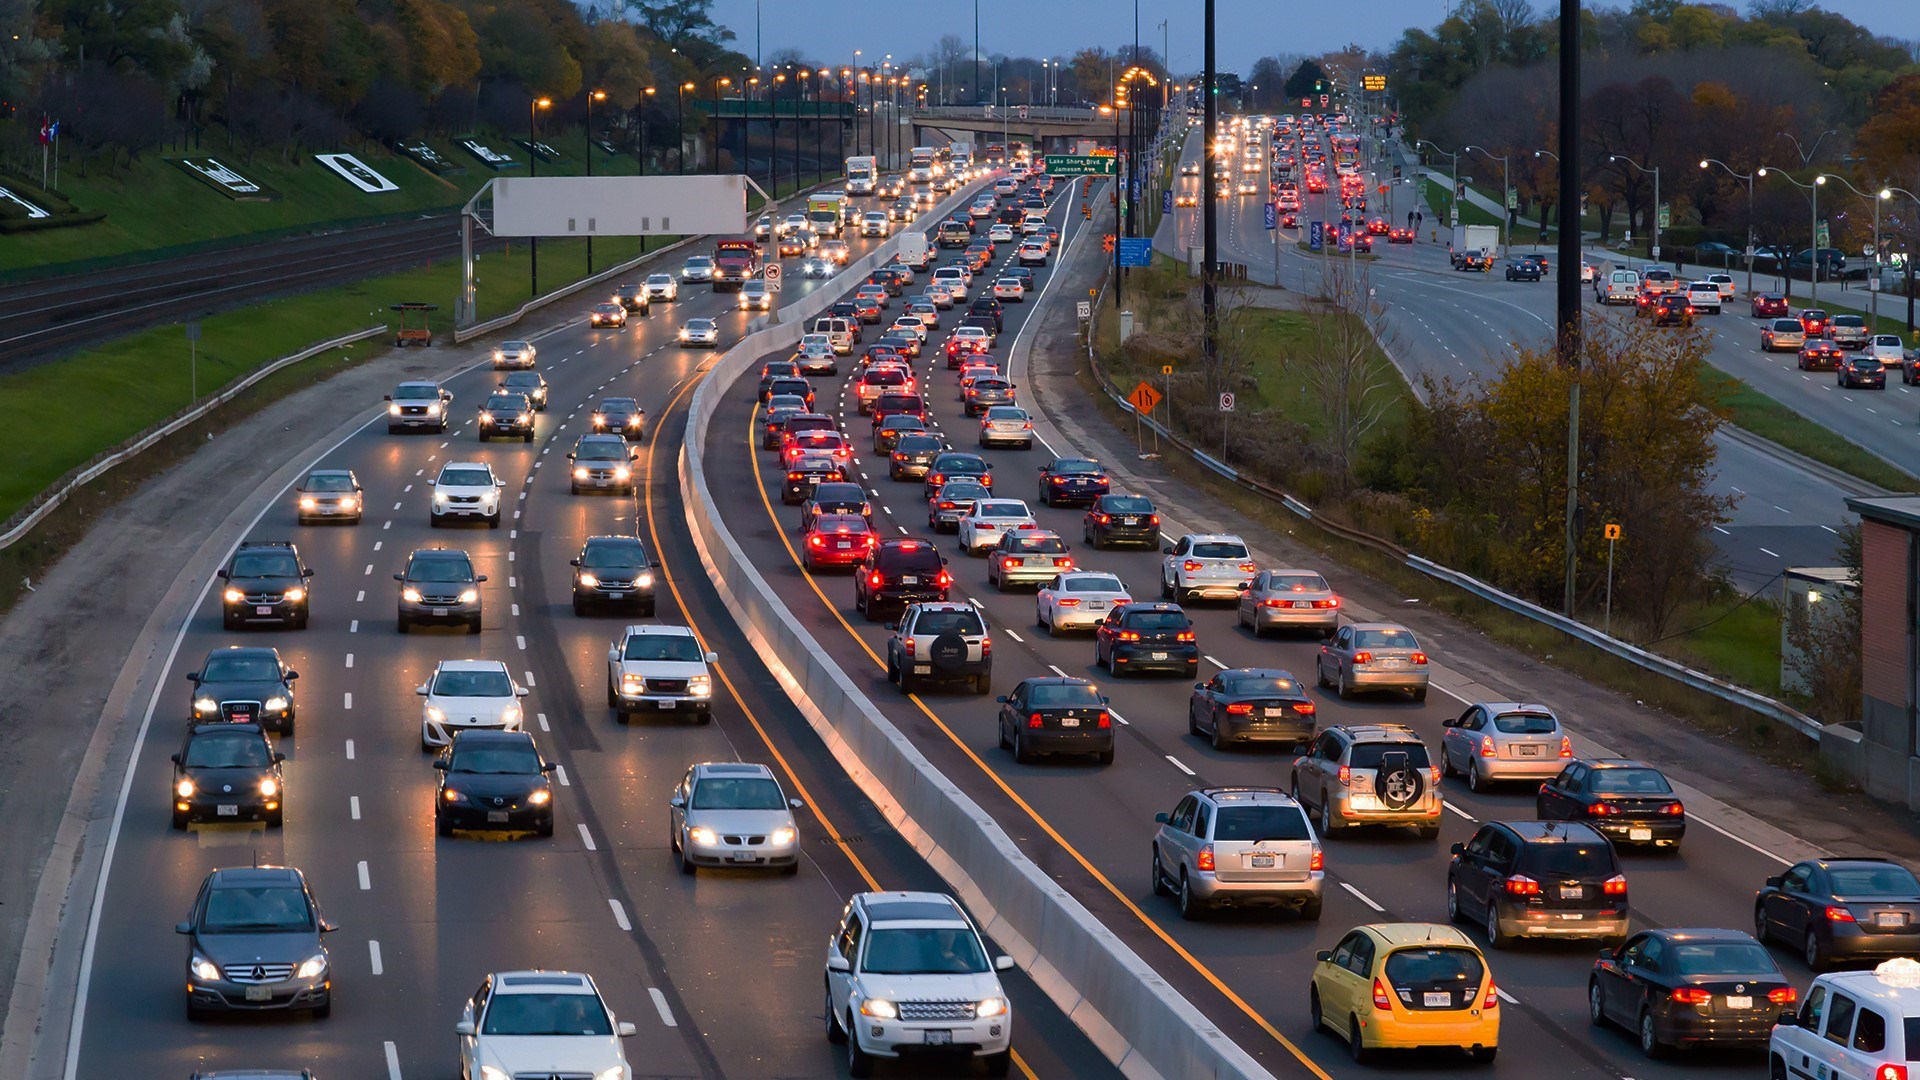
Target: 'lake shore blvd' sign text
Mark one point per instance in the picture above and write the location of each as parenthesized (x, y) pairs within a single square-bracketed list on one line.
[(32, 210), (425, 155), (547, 153), (226, 179), (356, 172), (491, 158)]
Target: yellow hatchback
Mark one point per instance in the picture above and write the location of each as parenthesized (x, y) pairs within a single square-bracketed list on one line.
[(1407, 986)]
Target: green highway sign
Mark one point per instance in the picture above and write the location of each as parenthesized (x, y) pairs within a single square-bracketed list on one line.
[(1079, 165)]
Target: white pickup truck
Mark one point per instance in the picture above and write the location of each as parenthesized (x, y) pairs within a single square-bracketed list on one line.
[(654, 667)]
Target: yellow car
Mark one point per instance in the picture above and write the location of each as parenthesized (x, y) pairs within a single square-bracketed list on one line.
[(1407, 986)]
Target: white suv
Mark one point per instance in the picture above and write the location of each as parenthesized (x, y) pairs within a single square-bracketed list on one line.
[(1206, 566), (659, 667), (466, 489), (907, 974), (1852, 1024), (541, 1023), (1704, 295), (468, 695)]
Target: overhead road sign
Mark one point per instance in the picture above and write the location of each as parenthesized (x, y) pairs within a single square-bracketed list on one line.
[(1373, 83), (1080, 165)]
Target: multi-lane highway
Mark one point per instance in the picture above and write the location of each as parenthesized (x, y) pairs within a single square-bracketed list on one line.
[(722, 971)]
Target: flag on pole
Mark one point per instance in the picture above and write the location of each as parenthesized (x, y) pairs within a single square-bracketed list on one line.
[(46, 131)]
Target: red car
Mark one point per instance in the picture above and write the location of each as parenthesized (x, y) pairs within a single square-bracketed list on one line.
[(1815, 322), (837, 540), (1399, 236), (1378, 226), (1362, 242), (959, 347), (1290, 221), (1821, 356), (1768, 306)]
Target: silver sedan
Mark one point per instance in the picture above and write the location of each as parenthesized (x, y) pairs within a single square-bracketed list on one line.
[(1078, 601), (1504, 740), (1373, 656), (1289, 600)]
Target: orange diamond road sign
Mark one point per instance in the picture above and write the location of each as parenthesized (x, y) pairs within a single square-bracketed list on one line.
[(1145, 398)]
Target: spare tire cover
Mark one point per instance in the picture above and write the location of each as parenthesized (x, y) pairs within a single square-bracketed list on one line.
[(948, 651), (1397, 782)]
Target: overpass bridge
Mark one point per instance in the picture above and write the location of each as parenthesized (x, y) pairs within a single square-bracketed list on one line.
[(1045, 128)]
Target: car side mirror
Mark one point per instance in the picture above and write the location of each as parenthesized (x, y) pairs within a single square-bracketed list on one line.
[(386, 397), (550, 767), (796, 804), (625, 1029), (1166, 551), (1450, 721), (442, 764), (183, 928), (399, 577), (292, 675), (1323, 956), (465, 1027), (678, 802), (1244, 586), (193, 677), (1457, 849), (573, 562), (308, 572), (221, 574), (713, 657), (175, 759), (835, 962), (481, 578), (327, 927), (499, 483), (420, 690), (1002, 699), (521, 691), (279, 757), (430, 483), (570, 458), (1777, 881), (1003, 963)]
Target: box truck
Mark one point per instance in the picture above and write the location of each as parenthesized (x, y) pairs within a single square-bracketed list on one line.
[(863, 175), (1468, 237), (826, 213)]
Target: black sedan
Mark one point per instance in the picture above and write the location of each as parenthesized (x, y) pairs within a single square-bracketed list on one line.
[(531, 383), (624, 416), (1688, 988), (1121, 519), (227, 772), (1857, 372), (245, 686), (1630, 802), (493, 780), (913, 455), (1251, 705), (1052, 715), (806, 473), (1818, 355), (1072, 480), (956, 466), (1523, 270), (1841, 909), (839, 498), (505, 415)]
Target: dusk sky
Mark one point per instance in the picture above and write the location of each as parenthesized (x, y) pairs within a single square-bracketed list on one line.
[(829, 30)]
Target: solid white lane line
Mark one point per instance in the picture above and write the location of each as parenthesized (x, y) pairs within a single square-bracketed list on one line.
[(560, 773), (373, 955), (1504, 996), (542, 717), (1748, 844), (660, 1005), (353, 806), (1363, 898), (393, 1061), (586, 837), (619, 913), (349, 749), (366, 882), (1459, 811), (1179, 765)]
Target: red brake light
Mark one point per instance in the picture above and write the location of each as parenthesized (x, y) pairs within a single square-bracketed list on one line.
[(1102, 518), (1239, 709), (1319, 860), (910, 649), (1380, 998), (1419, 658), (1603, 808), (1248, 568), (1069, 601), (1184, 635), (816, 541), (1492, 1000), (1615, 885), (1363, 658), (1033, 721), (1346, 776), (1305, 708), (1205, 859), (875, 580), (1566, 747), (1836, 913), (1106, 719), (1486, 746), (1522, 885), (1153, 519), (1673, 808), (945, 579), (1129, 635), (1009, 562), (1064, 562), (1783, 995), (1890, 1072), (1691, 995)]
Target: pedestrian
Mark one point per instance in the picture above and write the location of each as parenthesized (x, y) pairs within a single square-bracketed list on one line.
[(1420, 218)]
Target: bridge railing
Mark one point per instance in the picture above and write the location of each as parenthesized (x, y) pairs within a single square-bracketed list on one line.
[(1048, 113)]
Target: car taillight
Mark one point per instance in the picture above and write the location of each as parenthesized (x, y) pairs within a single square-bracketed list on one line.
[(796, 476), (1184, 635), (1673, 809), (1492, 998), (1691, 995), (1381, 1000), (910, 648), (1064, 562), (1102, 518), (1836, 913), (1239, 709), (875, 580), (1009, 562), (1248, 568), (1153, 519), (1363, 658), (945, 579), (1603, 808), (1890, 1072), (1486, 746), (1522, 885), (1326, 604), (1033, 721), (1071, 601), (1615, 885), (1419, 658), (1346, 776), (1106, 720), (1129, 635), (1318, 861), (1566, 747), (817, 541), (1782, 995), (1204, 860)]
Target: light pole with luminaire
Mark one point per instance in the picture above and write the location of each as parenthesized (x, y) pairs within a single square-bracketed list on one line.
[(1887, 193), (1813, 232), (680, 130), (1506, 192), (533, 169), (1453, 179), (1877, 197), (1748, 177), (592, 96), (1655, 246)]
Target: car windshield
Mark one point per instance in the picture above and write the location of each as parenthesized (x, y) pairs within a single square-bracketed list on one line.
[(416, 393), (886, 377), (1430, 966), (1219, 549), (614, 557), (1001, 510), (1525, 723), (600, 450), (1260, 686), (949, 622), (265, 564), (699, 261), (1157, 620), (236, 750), (1720, 958), (700, 324), (1867, 881), (1630, 782), (240, 669), (504, 402), (466, 478), (618, 405), (1299, 583), (678, 647), (546, 1014), (738, 793), (1254, 823), (930, 951), (329, 482), (1127, 504), (1384, 639), (660, 279), (1093, 583), (439, 570), (472, 684), (1370, 755), (1075, 467), (1559, 859), (254, 908), (495, 760), (918, 444)]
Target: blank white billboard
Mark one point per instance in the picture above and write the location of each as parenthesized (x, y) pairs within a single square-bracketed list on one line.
[(619, 205)]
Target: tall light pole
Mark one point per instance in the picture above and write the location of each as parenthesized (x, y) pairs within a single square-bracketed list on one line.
[(1453, 180), (718, 82), (1567, 311), (1655, 246), (1748, 177), (1813, 231), (592, 96), (1506, 193), (680, 130), (1887, 193), (533, 169), (641, 107), (1877, 198), (1209, 228)]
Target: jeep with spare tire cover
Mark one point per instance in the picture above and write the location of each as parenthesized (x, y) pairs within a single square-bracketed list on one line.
[(940, 642)]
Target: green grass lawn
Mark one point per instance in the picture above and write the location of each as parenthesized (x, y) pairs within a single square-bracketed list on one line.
[(1748, 408), (1283, 385)]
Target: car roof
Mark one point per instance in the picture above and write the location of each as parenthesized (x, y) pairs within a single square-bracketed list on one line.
[(615, 541), (1553, 832), (542, 982), (470, 665), (658, 630), (1378, 626), (244, 650), (329, 472), (1213, 538), (1616, 763), (917, 907), (1400, 733), (1244, 795), (1410, 933), (483, 737), (224, 729), (1516, 706), (240, 877), (732, 768), (439, 553)]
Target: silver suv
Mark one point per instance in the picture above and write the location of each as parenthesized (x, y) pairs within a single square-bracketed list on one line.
[(936, 642), (1369, 774), (1238, 846)]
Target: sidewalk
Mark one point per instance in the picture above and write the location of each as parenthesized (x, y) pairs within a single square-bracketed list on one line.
[(1847, 293)]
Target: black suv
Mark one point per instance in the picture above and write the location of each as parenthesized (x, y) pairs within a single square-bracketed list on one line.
[(505, 414), (439, 585), (613, 571), (903, 570), (266, 582), (1146, 637), (1121, 519), (987, 306), (245, 685), (1538, 879), (227, 772)]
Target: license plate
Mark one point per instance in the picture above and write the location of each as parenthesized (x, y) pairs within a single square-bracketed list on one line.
[(1571, 892), (1069, 721), (259, 993), (616, 596), (1260, 862), (1273, 712), (909, 579), (743, 856), (938, 1038), (1739, 1002), (497, 817), (1097, 605), (1639, 834), (1889, 918), (440, 611), (922, 669), (1130, 521), (263, 609), (1436, 999), (227, 810), (844, 545), (1157, 656), (1529, 751), (1569, 916), (669, 705)]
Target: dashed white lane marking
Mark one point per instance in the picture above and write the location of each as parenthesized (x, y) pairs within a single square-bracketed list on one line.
[(360, 597), (516, 608), (586, 837), (368, 572), (1831, 529), (560, 773), (393, 1062), (349, 749), (349, 701), (353, 806), (660, 1005), (510, 556), (1775, 554), (354, 627), (1363, 898), (1055, 668), (1014, 636), (520, 641), (1459, 811), (366, 882), (373, 957), (388, 524), (530, 681), (1721, 531), (542, 718), (512, 582), (349, 659), (396, 506), (619, 913), (1178, 764)]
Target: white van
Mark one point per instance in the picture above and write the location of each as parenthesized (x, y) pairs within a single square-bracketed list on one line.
[(1618, 287), (1853, 1025)]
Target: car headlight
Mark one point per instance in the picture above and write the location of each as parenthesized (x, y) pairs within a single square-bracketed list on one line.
[(541, 797), (296, 594), (269, 786), (393, 409), (683, 333), (410, 594), (782, 836), (488, 1072), (622, 473), (205, 704), (204, 969), (631, 680), (276, 704), (312, 967), (468, 596), (184, 789), (434, 714), (588, 580), (700, 835), (700, 685), (990, 1007), (307, 502), (644, 581), (348, 503), (879, 1007), (579, 474), (510, 715), (617, 1072), (439, 496), (526, 418), (433, 409), (234, 596), (498, 355), (598, 419), (452, 796), (486, 417), (633, 421)]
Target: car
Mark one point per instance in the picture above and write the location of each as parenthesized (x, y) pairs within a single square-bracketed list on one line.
[(1767, 305), (1587, 272), (807, 443), (910, 325), (245, 685), (1395, 235), (1690, 988), (987, 391), (1205, 566), (1862, 371), (1000, 234), (514, 354), (1783, 334), (661, 668), (732, 814), (1671, 309), (466, 489), (907, 974), (1289, 600), (613, 571), (1369, 774), (774, 420), (1725, 284), (843, 334), (816, 356), (953, 501), (1026, 557), (772, 370), (1524, 879), (531, 384), (912, 455), (1240, 847), (633, 297), (1379, 972), (1888, 349), (939, 642), (876, 294), (1499, 741), (866, 309), (1146, 637), (888, 432), (1630, 802), (835, 498), (620, 416), (794, 387), (697, 268), (900, 571), (990, 519), (901, 210), (265, 581), (836, 252), (1032, 252), (540, 1023), (227, 772), (468, 695), (806, 472), (1004, 425), (1372, 656), (956, 464), (505, 414), (1816, 355), (1078, 600), (1523, 270), (417, 404), (1852, 1023), (763, 227), (1009, 289), (803, 423), (601, 463), (1658, 280), (902, 342), (255, 944), (1056, 715), (1849, 331), (1704, 296), (439, 585), (755, 296), (696, 333), (836, 539), (664, 287), (1816, 323), (607, 315), (1120, 519), (329, 495), (1843, 908), (1240, 705), (493, 780)]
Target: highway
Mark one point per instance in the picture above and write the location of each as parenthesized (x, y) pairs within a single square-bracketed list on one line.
[(1090, 826), (722, 971)]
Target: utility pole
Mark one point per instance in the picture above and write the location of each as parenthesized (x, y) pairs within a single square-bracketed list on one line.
[(1567, 293), (1209, 233)]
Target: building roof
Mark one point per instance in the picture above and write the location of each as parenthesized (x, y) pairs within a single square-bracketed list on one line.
[(1901, 510)]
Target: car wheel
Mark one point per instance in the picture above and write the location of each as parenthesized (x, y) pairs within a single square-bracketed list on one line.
[(686, 864), (1596, 1004), (1219, 740), (1154, 875), (400, 623), (1475, 781), (1166, 589), (546, 827), (1453, 902), (1420, 695), (1484, 1055), (1355, 1046), (179, 821), (1650, 1043), (1020, 754), (1000, 1064), (1814, 953), (1345, 691), (1760, 933), (1310, 911), (579, 606), (1313, 1009), (441, 827), (859, 1063), (1000, 730), (286, 726), (473, 626), (1329, 825), (321, 1012), (1105, 757), (1495, 937), (1191, 907)]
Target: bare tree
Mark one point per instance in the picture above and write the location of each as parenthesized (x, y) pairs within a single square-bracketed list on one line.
[(1343, 361)]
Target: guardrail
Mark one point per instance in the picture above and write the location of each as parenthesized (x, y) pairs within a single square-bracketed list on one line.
[(1143, 1025), (48, 500)]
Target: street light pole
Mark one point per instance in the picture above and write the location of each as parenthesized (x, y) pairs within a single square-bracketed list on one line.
[(1453, 180), (533, 169), (1506, 194), (1813, 233), (1889, 193), (1209, 228), (592, 96), (1872, 309), (1655, 246), (1748, 177), (680, 130)]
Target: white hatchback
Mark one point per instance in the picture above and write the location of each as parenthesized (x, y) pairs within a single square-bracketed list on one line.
[(468, 695)]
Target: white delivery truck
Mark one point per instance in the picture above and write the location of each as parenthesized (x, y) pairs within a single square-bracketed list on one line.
[(962, 154), (1470, 237), (914, 249), (920, 168), (863, 175)]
